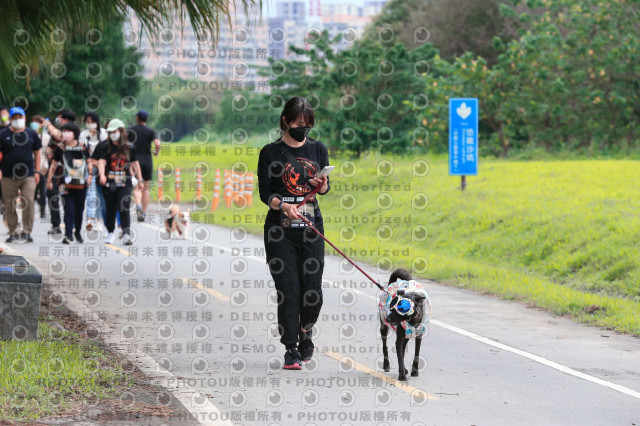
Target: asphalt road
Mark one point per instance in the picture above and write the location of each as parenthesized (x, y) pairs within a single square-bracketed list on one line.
[(199, 315)]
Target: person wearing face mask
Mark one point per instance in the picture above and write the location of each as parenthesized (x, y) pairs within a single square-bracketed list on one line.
[(117, 165), (20, 147), (90, 138), (75, 177), (287, 172), (56, 143), (41, 189)]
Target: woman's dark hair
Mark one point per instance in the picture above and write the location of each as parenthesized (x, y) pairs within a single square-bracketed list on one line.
[(72, 127), (94, 117), (37, 119), (293, 109), (68, 114)]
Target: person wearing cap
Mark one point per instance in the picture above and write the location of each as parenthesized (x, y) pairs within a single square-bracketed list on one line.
[(142, 137), (20, 148), (56, 143), (118, 165)]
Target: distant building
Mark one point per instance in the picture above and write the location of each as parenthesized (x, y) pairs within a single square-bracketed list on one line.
[(251, 42), (184, 56)]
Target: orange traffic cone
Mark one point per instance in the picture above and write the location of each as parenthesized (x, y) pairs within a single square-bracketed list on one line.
[(216, 192)]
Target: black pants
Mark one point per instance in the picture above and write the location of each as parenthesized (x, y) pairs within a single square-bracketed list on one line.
[(296, 263), (118, 201), (53, 198), (73, 210), (41, 192)]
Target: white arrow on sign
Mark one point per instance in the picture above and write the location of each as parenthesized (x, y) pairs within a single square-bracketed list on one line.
[(464, 111)]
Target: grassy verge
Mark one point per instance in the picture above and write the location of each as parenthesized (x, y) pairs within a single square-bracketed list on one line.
[(54, 375), (561, 235)]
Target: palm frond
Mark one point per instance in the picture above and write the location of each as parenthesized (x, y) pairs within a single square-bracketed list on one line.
[(35, 30)]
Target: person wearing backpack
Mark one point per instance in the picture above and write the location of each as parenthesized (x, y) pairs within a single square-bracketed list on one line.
[(118, 167), (76, 176)]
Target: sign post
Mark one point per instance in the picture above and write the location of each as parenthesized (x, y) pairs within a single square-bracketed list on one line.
[(463, 138)]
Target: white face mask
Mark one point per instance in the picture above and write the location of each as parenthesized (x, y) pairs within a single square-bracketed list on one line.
[(91, 126), (18, 124), (67, 136), (115, 136)]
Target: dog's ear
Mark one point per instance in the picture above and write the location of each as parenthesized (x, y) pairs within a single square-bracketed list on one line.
[(400, 274)]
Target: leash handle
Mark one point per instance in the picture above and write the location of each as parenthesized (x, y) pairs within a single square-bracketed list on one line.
[(309, 195)]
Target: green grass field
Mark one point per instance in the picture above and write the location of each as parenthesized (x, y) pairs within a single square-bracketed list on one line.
[(561, 235), (53, 374)]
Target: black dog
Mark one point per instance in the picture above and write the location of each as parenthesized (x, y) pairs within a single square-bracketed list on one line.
[(403, 300)]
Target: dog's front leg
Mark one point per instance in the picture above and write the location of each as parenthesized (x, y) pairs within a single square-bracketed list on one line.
[(416, 358), (384, 330), (400, 342)]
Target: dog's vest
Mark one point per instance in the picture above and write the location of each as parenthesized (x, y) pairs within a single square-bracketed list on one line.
[(384, 309)]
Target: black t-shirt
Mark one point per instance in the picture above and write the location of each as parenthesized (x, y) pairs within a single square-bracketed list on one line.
[(276, 175), (17, 152), (141, 137), (98, 151), (114, 162)]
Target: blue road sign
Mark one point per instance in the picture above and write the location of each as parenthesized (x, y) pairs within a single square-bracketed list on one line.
[(463, 136)]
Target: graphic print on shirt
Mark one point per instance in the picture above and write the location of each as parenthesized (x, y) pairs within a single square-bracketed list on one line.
[(295, 181), (118, 163)]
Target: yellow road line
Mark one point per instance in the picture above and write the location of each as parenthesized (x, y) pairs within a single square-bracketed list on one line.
[(211, 291), (397, 383), (118, 249)]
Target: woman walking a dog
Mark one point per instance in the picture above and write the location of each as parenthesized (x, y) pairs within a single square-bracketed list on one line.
[(118, 167), (287, 171)]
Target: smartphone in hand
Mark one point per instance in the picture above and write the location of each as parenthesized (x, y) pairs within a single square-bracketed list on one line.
[(325, 171)]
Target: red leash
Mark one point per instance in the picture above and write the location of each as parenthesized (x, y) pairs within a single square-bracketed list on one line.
[(307, 198)]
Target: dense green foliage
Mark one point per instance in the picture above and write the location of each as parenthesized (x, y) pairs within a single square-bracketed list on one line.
[(569, 82), (95, 72), (35, 31)]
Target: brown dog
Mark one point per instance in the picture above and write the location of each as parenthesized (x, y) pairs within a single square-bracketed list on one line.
[(177, 223)]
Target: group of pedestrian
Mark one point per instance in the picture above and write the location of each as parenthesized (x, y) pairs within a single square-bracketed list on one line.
[(59, 166)]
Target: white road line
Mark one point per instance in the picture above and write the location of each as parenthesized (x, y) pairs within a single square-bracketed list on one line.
[(188, 396), (538, 359), (524, 354)]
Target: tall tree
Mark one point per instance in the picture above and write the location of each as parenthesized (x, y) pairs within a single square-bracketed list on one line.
[(93, 73), (33, 30)]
